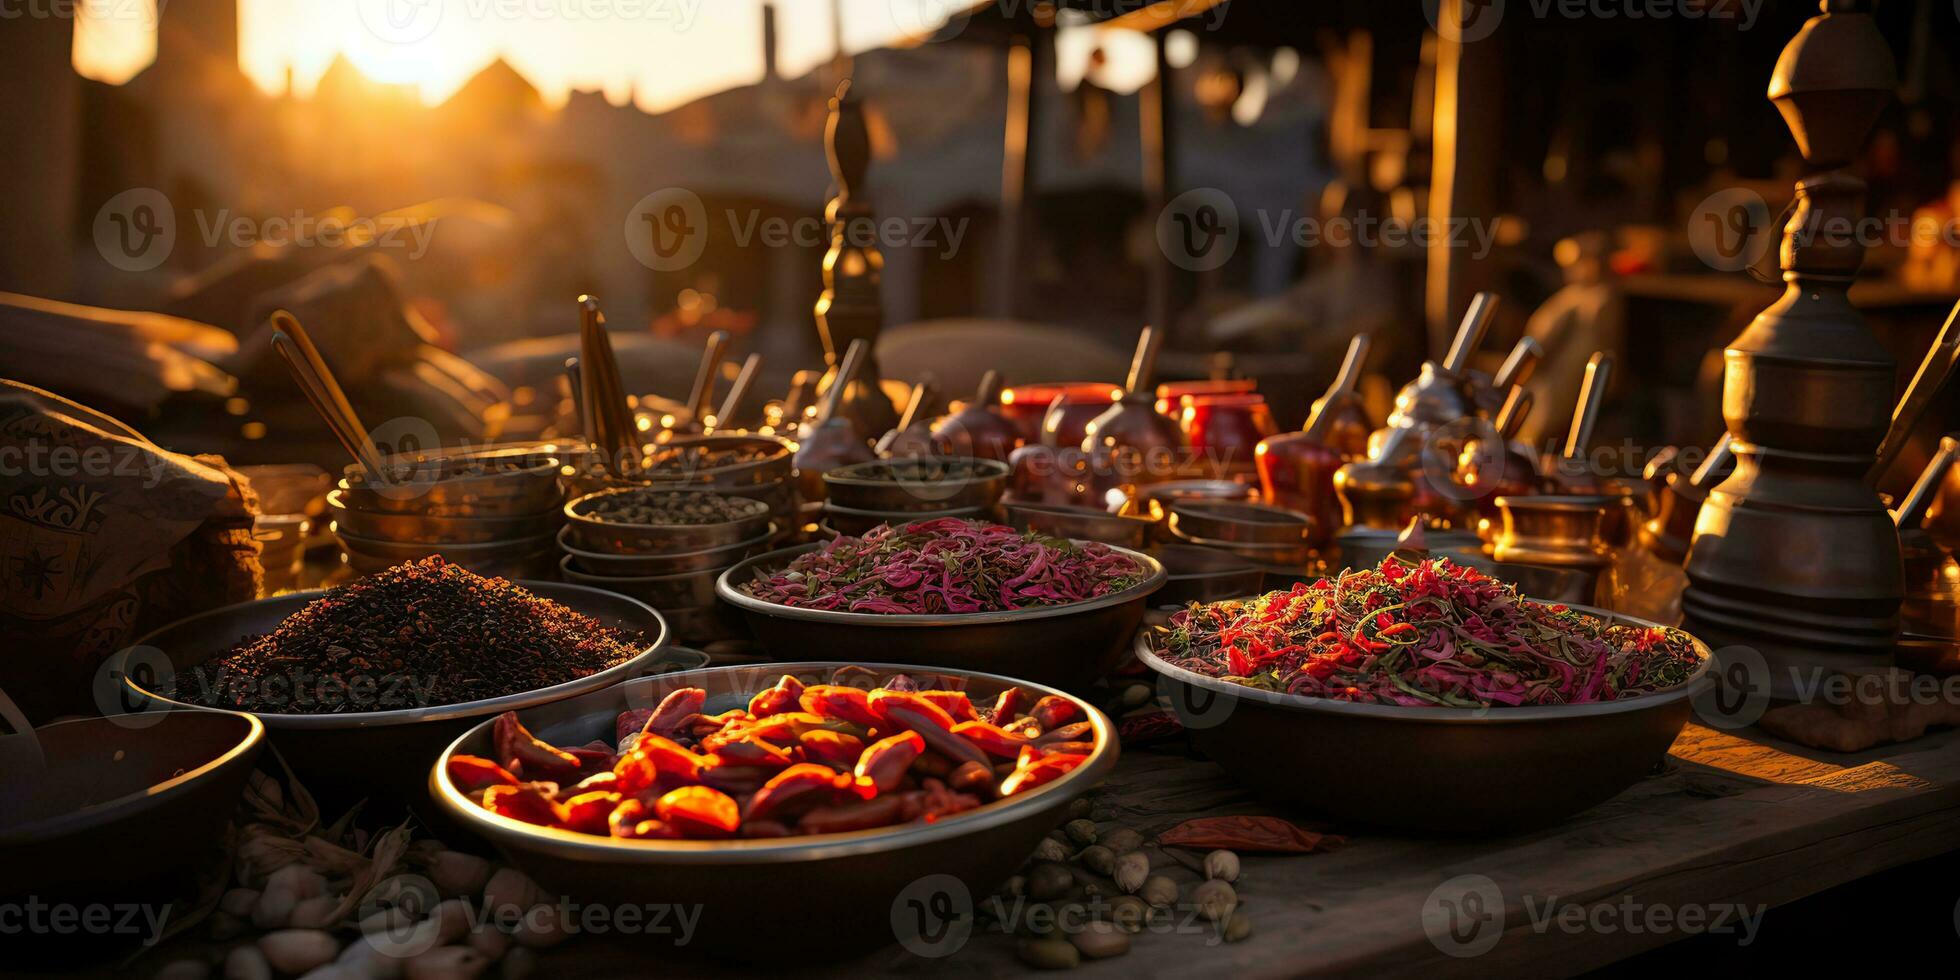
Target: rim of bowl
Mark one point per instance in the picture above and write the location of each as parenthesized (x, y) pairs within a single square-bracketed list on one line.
[(565, 532), (1558, 501), (993, 470), (726, 590), (565, 562), (812, 847), (149, 797), (547, 462), (1079, 512), (1442, 714), (337, 505), (1213, 509), (779, 451), (378, 547), (617, 673), (572, 514)]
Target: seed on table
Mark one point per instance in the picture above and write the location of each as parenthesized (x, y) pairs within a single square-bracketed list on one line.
[(1049, 881), (1238, 926), (184, 970), (1048, 954), (1132, 870), (1050, 849), (1223, 865), (247, 963), (447, 963), (1079, 807), (1215, 900), (1159, 891), (1100, 940), (1129, 913), (1082, 832), (1122, 840), (1097, 858), (296, 951)]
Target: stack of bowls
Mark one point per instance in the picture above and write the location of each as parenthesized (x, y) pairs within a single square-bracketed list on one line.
[(669, 566), (1256, 532), (493, 512), (1086, 523), (749, 465), (862, 496)]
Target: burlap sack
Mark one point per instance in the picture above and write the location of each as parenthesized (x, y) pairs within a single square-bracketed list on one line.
[(104, 536)]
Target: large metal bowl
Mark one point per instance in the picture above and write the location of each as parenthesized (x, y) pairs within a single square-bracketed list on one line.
[(917, 484), (1444, 771), (1199, 574), (115, 812), (460, 483), (1085, 523), (423, 529), (793, 898), (663, 592), (675, 461), (602, 563), (1069, 646), (343, 757), (1240, 522), (615, 537)]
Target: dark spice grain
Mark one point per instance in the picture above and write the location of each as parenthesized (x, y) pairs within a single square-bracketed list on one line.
[(420, 634), (672, 507)]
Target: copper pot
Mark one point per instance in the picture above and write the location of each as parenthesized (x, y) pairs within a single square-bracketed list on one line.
[(831, 439), (979, 428), (1296, 469), (1555, 530), (1130, 444)]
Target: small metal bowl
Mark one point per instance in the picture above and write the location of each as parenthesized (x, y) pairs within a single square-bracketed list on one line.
[(1085, 523), (1198, 574), (735, 887), (1272, 555), (917, 484), (614, 537), (1239, 522), (344, 757), (1432, 770), (773, 465), (1068, 646), (622, 566), (424, 529), (687, 590), (114, 812), (483, 483), (847, 520)]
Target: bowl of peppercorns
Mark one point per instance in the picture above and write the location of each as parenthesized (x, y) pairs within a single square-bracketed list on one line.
[(656, 521)]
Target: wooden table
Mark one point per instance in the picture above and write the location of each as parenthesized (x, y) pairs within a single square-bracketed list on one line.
[(1735, 819)]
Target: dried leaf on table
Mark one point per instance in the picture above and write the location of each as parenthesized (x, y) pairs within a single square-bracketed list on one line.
[(1249, 834)]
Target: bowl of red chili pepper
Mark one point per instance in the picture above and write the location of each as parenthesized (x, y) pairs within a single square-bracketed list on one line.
[(1427, 696), (951, 593), (796, 809)]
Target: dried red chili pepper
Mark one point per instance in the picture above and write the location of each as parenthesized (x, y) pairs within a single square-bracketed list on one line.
[(634, 820), (1024, 727), (653, 757), (589, 813), (843, 703), (1073, 732), (1039, 772), (753, 751), (930, 763), (838, 750), (785, 696), (700, 811), (991, 739), (793, 792), (856, 815), (736, 780), (884, 764), (1054, 710), (1254, 834), (970, 776), (526, 802), (673, 709), (939, 739), (540, 761), (1068, 748), (954, 703), (471, 773), (884, 702), (1009, 705)]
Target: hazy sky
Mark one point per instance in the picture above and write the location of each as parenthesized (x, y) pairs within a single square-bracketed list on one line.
[(661, 52)]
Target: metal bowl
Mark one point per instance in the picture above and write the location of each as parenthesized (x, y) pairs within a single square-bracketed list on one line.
[(1085, 523), (115, 811), (1274, 555), (1198, 574), (773, 466), (1445, 771), (688, 590), (424, 529), (847, 520), (505, 559), (625, 566), (344, 757), (482, 483), (1239, 522), (747, 890), (917, 484), (614, 537), (1067, 646)]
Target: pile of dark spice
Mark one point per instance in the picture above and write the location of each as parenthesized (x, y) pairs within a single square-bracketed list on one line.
[(420, 634), (682, 460), (671, 507)]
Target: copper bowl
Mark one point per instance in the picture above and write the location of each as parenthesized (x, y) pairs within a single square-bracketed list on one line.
[(460, 483), (429, 529), (1069, 646), (674, 563), (1443, 771), (824, 896), (116, 812), (343, 757), (917, 484), (1240, 522), (1084, 523)]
